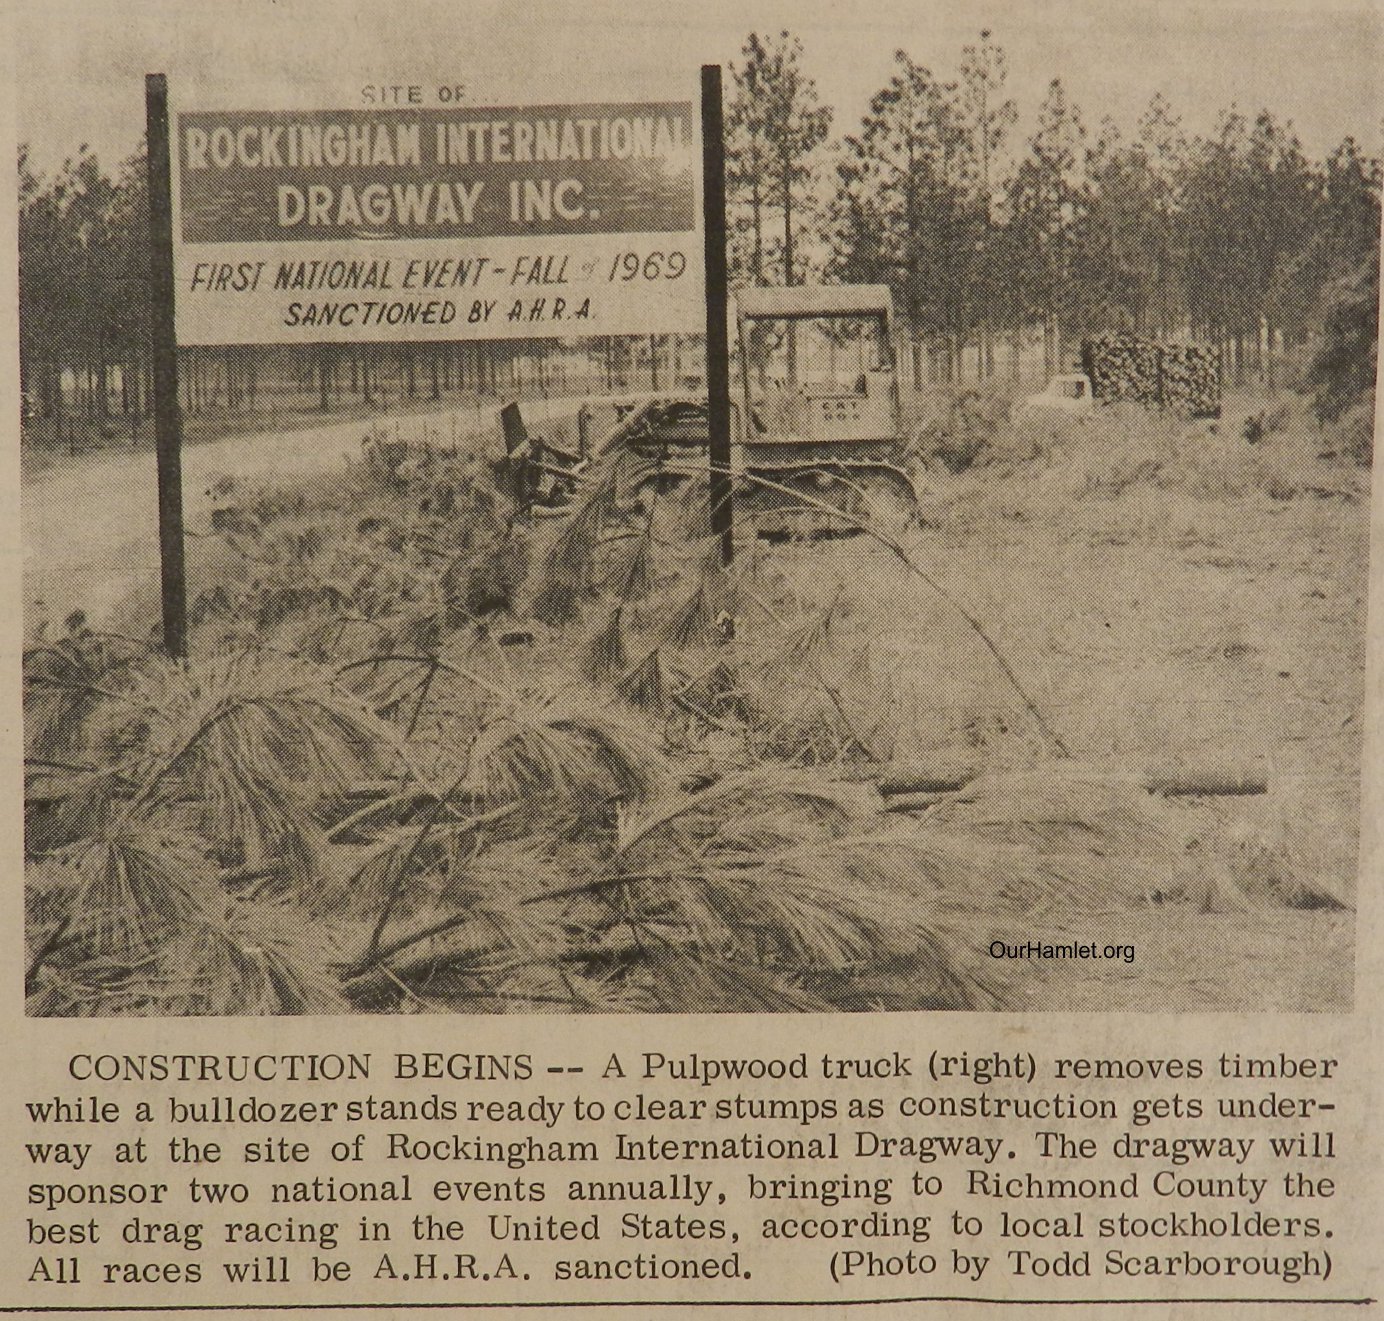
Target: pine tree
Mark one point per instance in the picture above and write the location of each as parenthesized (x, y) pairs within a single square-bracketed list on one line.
[(776, 125), (747, 153), (1164, 147), (1049, 202), (989, 117), (905, 204)]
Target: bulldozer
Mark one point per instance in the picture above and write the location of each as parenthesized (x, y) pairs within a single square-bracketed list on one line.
[(820, 434), (817, 438)]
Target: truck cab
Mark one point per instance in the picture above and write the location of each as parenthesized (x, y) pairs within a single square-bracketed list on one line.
[(1070, 394)]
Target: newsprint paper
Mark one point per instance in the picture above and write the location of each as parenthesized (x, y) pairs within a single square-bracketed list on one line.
[(692, 657)]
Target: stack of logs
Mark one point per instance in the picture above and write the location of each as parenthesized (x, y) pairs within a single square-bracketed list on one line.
[(1183, 378)]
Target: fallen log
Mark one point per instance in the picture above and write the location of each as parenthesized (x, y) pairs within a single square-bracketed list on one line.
[(913, 802), (933, 782), (921, 778), (1206, 783)]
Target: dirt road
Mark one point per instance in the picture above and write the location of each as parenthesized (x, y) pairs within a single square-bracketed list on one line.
[(91, 530)]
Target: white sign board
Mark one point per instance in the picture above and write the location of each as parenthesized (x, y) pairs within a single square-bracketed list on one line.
[(368, 225)]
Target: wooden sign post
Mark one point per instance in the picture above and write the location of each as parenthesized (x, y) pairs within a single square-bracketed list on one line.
[(717, 308), (168, 423)]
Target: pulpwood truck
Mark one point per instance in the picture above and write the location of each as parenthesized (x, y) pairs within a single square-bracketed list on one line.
[(1182, 378)]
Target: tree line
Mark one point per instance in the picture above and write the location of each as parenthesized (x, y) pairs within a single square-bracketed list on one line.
[(988, 233), (83, 279), (84, 322)]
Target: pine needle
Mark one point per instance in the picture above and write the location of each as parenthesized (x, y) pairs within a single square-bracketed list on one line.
[(702, 616), (567, 572), (588, 758), (604, 657), (642, 687)]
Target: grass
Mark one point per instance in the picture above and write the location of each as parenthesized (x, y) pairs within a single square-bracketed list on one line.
[(427, 757)]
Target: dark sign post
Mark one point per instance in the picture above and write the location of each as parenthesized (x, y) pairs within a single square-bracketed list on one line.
[(168, 424), (717, 309)]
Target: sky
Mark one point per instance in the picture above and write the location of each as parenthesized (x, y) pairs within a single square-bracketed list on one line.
[(80, 63)]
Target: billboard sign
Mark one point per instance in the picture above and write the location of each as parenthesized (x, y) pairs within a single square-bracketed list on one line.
[(346, 226)]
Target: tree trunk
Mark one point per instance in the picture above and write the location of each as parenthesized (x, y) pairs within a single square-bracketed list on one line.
[(789, 267), (757, 222)]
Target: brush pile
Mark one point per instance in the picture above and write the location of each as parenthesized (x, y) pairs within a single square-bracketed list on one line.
[(429, 756)]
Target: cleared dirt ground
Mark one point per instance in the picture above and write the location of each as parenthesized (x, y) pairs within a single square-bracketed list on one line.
[(1169, 595)]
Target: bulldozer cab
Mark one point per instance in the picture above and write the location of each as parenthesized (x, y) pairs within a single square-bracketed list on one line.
[(817, 366)]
